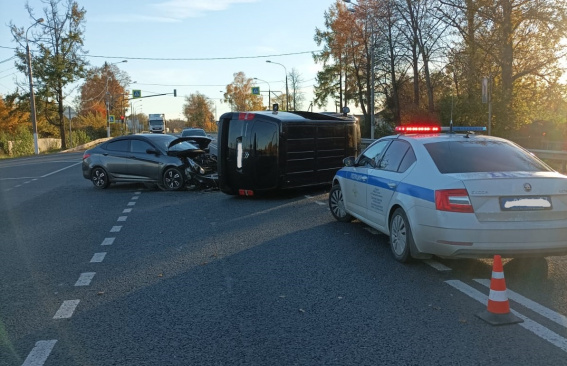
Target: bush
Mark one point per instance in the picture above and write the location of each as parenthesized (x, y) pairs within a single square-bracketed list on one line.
[(22, 142), (79, 137)]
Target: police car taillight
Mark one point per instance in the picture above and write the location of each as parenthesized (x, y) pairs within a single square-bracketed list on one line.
[(246, 192), (417, 129), (453, 200)]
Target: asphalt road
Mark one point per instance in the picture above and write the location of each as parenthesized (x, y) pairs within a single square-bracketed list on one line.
[(130, 276)]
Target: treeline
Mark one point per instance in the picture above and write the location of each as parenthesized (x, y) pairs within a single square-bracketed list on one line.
[(430, 58)]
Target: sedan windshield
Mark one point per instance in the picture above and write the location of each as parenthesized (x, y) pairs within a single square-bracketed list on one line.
[(476, 156)]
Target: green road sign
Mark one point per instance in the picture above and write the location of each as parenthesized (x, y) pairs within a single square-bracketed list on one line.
[(136, 93), (111, 118), (256, 90)]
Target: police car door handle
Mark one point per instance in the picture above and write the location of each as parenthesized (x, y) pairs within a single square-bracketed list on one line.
[(392, 185)]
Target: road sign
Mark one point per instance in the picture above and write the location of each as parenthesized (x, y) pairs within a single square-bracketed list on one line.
[(256, 90), (111, 118), (136, 93)]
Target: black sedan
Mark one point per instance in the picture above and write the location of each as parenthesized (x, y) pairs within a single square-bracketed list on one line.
[(152, 159)]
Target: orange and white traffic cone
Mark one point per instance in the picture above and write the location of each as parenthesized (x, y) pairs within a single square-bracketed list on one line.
[(498, 310)]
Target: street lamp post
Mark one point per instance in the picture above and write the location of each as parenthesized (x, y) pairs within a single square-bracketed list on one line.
[(269, 92), (372, 41), (32, 96), (286, 89), (108, 96)]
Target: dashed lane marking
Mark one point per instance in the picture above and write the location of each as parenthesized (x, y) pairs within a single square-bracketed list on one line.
[(108, 241), (66, 309), (131, 203), (116, 229), (135, 198), (528, 323), (98, 257), (320, 203), (127, 210), (122, 218), (39, 353), (438, 266), (85, 279)]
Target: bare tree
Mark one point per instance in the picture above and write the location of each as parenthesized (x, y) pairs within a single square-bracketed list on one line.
[(297, 96)]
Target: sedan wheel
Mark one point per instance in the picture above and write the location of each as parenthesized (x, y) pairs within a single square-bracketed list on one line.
[(99, 177), (172, 179), (400, 236), (337, 204)]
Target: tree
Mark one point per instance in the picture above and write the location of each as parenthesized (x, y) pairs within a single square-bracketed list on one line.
[(60, 60), (104, 85), (239, 94), (297, 96), (198, 111), (10, 115)]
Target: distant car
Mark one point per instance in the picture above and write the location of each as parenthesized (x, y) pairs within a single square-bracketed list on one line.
[(454, 195), (193, 132), (154, 159)]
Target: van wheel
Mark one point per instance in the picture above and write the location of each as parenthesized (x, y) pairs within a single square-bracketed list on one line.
[(401, 238), (172, 179), (337, 204)]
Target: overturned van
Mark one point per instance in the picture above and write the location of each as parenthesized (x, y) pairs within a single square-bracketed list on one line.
[(265, 151)]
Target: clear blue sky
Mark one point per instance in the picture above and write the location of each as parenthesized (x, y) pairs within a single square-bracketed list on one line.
[(198, 29)]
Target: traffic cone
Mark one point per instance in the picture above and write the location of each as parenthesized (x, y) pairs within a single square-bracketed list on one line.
[(498, 310)]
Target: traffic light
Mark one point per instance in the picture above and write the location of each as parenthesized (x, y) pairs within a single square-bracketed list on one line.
[(174, 92), (121, 118)]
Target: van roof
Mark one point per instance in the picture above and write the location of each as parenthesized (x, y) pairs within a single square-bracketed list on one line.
[(294, 116)]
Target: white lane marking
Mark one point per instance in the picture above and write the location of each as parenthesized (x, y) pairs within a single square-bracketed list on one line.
[(532, 305), (137, 192), (131, 203), (108, 241), (66, 309), (320, 203), (438, 266), (29, 181), (39, 353), (60, 170), (85, 279), (528, 324), (135, 198), (116, 229), (98, 257), (308, 196), (122, 218), (127, 210)]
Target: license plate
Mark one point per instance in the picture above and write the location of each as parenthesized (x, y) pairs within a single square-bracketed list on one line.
[(525, 203)]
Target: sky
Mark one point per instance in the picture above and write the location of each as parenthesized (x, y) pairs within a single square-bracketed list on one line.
[(221, 37)]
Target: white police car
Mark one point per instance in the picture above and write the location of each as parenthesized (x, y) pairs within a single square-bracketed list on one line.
[(454, 195)]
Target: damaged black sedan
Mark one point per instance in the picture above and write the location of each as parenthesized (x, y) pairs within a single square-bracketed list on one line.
[(165, 161)]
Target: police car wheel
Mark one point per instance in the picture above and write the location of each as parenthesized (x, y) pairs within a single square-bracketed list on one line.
[(400, 236), (337, 204)]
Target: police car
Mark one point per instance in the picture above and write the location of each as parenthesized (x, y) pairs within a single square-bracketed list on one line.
[(456, 195)]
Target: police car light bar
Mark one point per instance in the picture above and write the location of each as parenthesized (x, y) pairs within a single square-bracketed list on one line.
[(417, 129), (463, 129)]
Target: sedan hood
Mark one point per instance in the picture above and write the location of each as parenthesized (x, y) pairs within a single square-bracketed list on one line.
[(189, 150)]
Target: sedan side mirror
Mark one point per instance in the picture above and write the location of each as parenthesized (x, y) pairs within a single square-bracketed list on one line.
[(349, 161)]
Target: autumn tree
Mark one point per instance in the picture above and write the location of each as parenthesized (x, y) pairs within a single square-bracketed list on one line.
[(198, 109), (60, 59), (239, 94), (104, 87)]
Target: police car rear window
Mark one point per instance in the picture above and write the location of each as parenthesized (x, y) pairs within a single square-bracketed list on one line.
[(476, 156)]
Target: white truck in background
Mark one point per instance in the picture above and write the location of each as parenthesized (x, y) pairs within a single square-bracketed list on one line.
[(157, 123)]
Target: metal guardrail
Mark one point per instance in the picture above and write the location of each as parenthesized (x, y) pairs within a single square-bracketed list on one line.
[(554, 155)]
